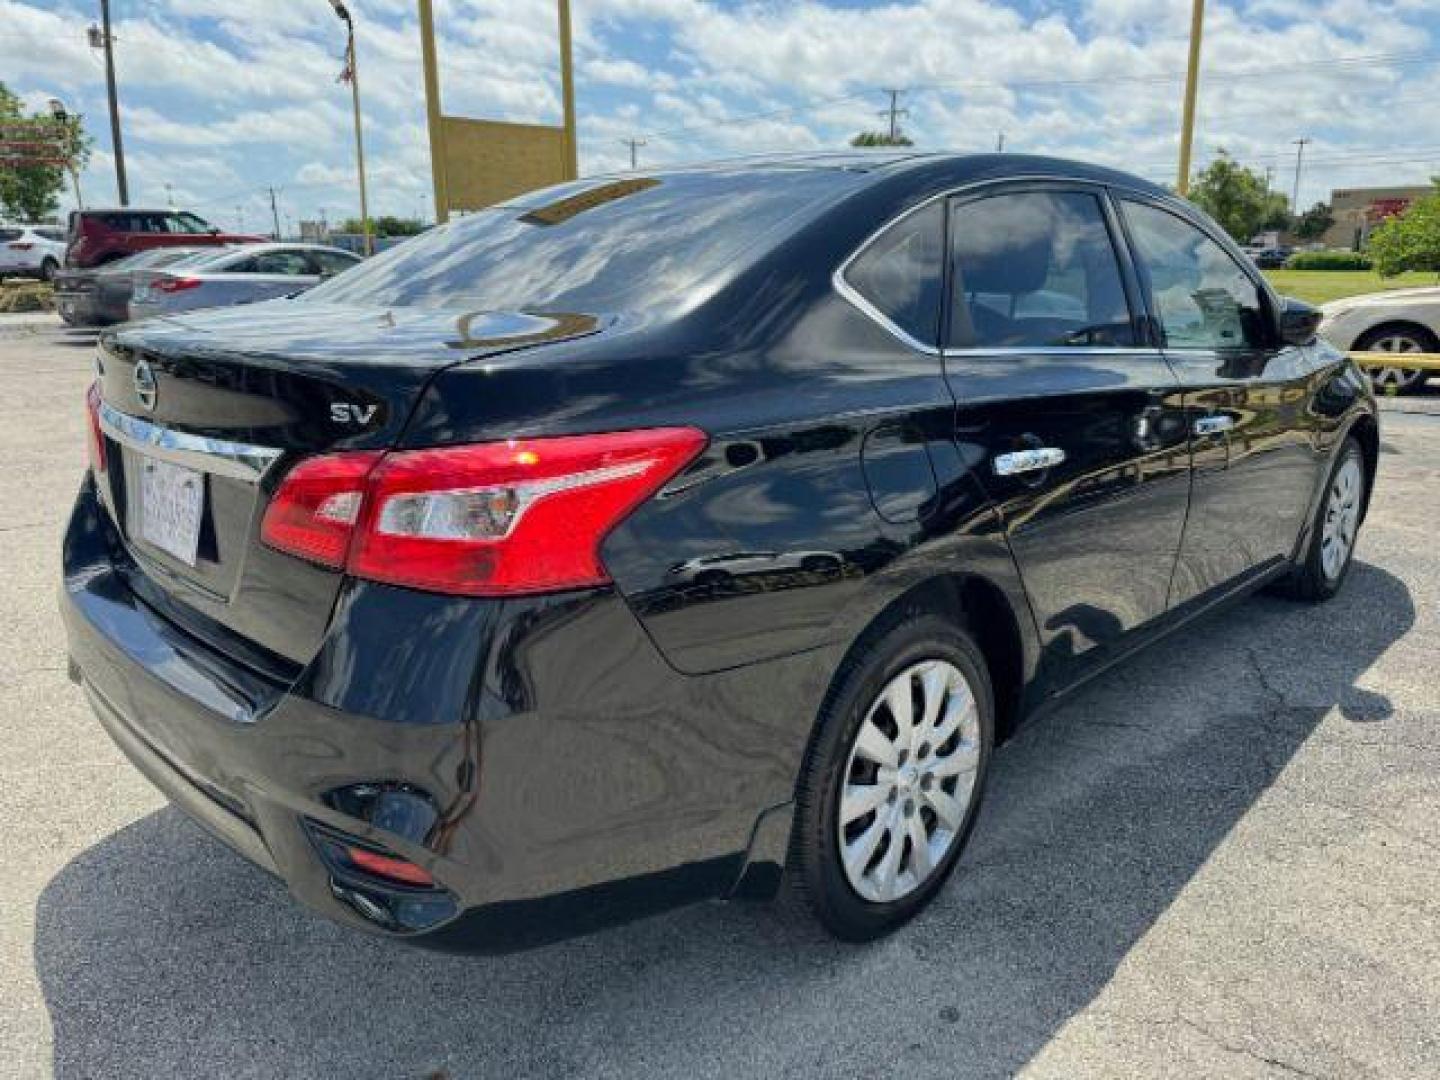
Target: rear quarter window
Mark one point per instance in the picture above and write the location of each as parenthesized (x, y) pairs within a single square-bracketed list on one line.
[(900, 273)]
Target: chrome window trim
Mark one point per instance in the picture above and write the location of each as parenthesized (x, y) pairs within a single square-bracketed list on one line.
[(242, 461), (849, 293)]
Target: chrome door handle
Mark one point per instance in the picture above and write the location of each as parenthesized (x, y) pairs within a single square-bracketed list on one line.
[(1023, 461), (1212, 425)]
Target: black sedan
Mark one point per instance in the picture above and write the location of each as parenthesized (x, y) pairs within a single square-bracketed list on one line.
[(379, 583)]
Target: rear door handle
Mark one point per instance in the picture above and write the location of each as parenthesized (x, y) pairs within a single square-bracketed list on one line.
[(1023, 461), (1212, 425)]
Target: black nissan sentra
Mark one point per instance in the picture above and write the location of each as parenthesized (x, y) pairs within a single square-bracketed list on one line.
[(696, 534)]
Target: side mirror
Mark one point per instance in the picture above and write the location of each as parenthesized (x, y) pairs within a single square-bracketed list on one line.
[(1297, 322)]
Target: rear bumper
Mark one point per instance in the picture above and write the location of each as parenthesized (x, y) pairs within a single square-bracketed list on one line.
[(557, 775)]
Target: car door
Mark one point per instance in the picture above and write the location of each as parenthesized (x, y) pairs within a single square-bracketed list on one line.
[(1252, 442), (1072, 420)]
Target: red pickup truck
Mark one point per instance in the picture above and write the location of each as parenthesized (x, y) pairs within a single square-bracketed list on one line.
[(101, 236)]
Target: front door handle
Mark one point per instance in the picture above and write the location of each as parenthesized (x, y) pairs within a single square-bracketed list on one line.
[(1212, 425), (1023, 461)]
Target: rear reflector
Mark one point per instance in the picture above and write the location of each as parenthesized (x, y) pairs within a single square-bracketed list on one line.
[(96, 442), (388, 866), (523, 516), (175, 284)]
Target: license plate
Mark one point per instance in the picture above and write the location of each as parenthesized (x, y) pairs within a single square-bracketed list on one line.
[(172, 499)]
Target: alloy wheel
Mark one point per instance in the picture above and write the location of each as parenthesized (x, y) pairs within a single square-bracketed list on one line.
[(1397, 377), (1342, 517), (909, 781)]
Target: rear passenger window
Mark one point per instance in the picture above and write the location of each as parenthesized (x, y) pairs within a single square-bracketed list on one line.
[(1035, 270), (1201, 296), (900, 273)]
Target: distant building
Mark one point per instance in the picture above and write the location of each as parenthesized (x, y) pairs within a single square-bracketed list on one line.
[(1358, 210)]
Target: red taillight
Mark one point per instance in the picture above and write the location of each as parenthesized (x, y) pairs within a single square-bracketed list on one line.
[(388, 866), (313, 514), (97, 436), (522, 516), (21, 247), (175, 284)]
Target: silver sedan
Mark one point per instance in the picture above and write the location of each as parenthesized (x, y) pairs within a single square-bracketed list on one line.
[(254, 272), (1405, 321)]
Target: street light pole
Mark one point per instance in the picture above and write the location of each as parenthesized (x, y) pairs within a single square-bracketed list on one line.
[(354, 77), (72, 128), (1300, 145), (122, 187), (1192, 84)]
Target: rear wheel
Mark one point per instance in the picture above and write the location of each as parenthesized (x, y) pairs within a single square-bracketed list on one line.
[(891, 786), (1396, 379), (48, 269), (1334, 531)]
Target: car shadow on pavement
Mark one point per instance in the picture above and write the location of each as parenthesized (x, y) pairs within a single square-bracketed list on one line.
[(162, 954)]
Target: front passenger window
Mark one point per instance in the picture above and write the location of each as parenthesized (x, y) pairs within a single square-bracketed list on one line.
[(1201, 296)]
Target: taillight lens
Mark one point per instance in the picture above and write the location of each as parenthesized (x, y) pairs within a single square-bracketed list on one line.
[(174, 284), (313, 515), (96, 442), (522, 516)]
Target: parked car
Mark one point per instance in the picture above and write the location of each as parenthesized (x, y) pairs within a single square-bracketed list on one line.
[(100, 236), (100, 295), (256, 272), (36, 251), (1272, 258), (376, 581), (1400, 322)]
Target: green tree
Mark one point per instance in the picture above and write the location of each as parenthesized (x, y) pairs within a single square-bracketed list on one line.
[(386, 225), (32, 192), (1237, 198), (1315, 222), (1409, 241), (881, 138)]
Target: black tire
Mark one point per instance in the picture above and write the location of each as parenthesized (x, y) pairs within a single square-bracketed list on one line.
[(815, 875), (48, 269), (1310, 581), (1398, 379)]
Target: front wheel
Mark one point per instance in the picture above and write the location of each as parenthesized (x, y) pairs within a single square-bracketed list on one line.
[(1395, 378), (891, 786), (1333, 533)]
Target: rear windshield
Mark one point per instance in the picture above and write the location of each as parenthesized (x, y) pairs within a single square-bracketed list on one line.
[(592, 246)]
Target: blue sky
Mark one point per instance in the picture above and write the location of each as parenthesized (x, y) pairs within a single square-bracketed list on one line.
[(224, 98)]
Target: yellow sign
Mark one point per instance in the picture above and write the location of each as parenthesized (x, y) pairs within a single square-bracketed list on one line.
[(489, 161)]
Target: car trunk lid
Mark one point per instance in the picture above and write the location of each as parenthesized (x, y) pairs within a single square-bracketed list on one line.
[(202, 415)]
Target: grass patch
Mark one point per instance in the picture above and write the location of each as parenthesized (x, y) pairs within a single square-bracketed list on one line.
[(18, 295), (1321, 286)]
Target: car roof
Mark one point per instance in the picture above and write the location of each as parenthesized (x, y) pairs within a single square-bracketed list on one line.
[(890, 162)]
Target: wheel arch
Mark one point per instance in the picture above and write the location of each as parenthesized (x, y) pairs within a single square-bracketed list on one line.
[(982, 609), (1366, 431), (1396, 326)]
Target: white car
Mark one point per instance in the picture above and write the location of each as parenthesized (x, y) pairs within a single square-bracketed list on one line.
[(1399, 322), (32, 251)]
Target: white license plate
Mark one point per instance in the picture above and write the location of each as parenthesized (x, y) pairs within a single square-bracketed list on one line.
[(172, 499)]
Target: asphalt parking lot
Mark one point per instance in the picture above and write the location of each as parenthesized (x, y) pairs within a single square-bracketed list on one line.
[(1222, 860)]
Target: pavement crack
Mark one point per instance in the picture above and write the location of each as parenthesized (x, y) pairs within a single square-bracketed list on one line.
[(1244, 1051)]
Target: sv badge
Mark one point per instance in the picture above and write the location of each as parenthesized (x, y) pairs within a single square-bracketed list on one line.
[(342, 412)]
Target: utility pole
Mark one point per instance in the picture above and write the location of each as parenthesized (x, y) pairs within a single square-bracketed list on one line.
[(240, 213), (169, 195), (275, 214), (633, 144), (434, 119), (567, 92), (107, 43), (352, 75), (1000, 144), (1192, 84), (1300, 145), (894, 112)]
